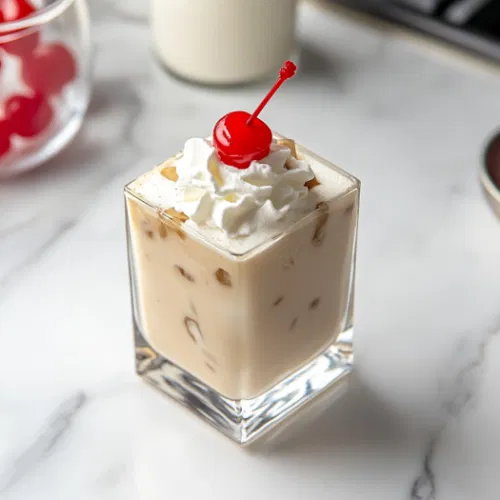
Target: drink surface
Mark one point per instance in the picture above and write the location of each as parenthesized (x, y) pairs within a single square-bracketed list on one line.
[(161, 192)]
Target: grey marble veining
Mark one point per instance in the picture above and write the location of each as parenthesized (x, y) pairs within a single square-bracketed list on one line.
[(420, 420), (43, 444), (465, 383)]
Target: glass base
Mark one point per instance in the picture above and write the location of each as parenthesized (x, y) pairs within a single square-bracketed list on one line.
[(244, 420)]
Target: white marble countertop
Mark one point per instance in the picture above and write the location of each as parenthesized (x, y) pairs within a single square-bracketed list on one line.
[(421, 418)]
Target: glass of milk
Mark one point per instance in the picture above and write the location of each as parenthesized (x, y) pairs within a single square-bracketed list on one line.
[(223, 42)]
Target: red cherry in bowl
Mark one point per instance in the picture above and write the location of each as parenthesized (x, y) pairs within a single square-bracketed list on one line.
[(5, 134), (28, 115), (240, 138), (12, 10), (49, 69), (23, 41), (22, 46), (237, 143)]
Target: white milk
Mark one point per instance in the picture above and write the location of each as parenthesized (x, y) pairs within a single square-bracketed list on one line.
[(223, 41)]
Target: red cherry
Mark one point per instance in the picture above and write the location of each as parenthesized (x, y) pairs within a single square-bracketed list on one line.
[(13, 10), (240, 138), (5, 134), (50, 68), (22, 46), (237, 143), (28, 115)]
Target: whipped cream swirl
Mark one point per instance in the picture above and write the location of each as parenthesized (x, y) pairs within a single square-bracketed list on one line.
[(236, 201)]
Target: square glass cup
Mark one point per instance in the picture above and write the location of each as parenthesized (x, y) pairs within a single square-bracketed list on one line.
[(245, 339)]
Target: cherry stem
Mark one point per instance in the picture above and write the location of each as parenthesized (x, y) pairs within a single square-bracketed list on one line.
[(286, 72)]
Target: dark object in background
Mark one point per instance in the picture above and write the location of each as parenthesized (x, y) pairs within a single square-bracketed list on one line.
[(470, 24), (490, 173)]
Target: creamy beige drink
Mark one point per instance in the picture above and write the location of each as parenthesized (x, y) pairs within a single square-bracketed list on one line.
[(242, 276)]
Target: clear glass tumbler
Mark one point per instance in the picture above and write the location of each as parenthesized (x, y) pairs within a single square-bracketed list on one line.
[(244, 340), (45, 80)]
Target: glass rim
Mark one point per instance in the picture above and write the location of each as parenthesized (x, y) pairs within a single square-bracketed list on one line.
[(38, 18), (249, 253)]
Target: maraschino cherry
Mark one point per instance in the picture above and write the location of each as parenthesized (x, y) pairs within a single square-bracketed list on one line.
[(28, 116), (5, 133), (240, 138), (50, 67), (13, 10)]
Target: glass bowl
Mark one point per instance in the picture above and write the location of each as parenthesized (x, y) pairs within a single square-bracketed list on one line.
[(44, 82)]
